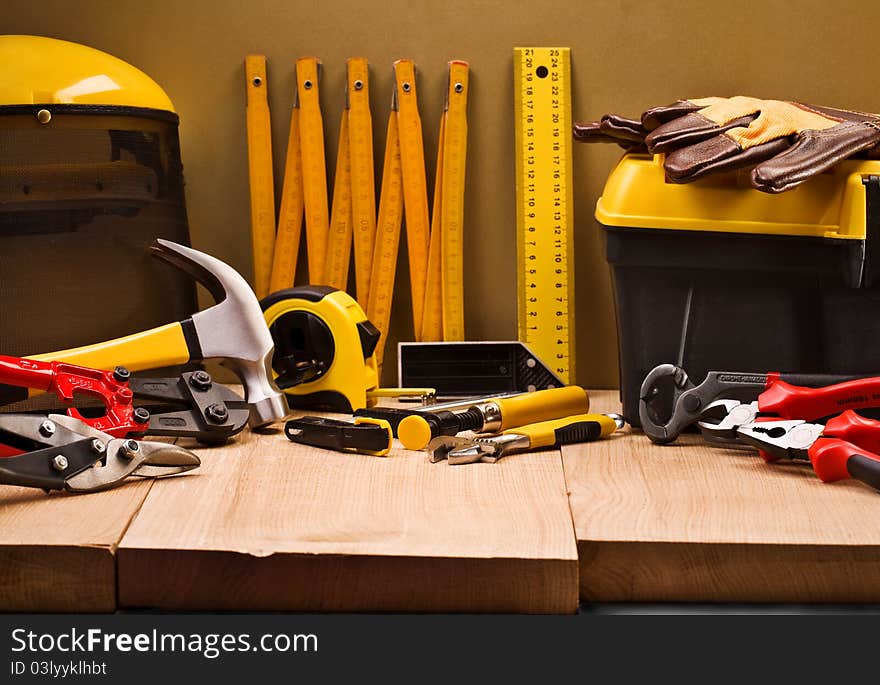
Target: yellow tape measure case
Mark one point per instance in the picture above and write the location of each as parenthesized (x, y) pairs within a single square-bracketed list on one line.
[(324, 348), (714, 275)]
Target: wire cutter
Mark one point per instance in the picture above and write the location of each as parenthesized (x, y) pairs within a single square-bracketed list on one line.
[(669, 402), (845, 447), (489, 449), (782, 400), (63, 453)]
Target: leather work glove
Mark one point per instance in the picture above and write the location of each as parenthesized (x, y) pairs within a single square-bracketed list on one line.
[(785, 142)]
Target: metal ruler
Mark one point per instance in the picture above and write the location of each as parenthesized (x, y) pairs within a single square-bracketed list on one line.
[(262, 190), (387, 237), (291, 213), (314, 166), (452, 201), (415, 187), (545, 246)]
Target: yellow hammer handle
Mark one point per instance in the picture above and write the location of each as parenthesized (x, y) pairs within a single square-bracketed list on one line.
[(579, 428), (543, 405), (153, 349)]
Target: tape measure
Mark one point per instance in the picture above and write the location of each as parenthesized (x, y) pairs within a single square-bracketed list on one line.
[(415, 187), (545, 247), (363, 183), (291, 213), (260, 173), (314, 166), (452, 201), (387, 237), (339, 236)]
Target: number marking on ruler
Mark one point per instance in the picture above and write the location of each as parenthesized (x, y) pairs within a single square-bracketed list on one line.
[(415, 187), (363, 183), (432, 318), (545, 249), (387, 237), (262, 190), (452, 204), (314, 166), (291, 214), (339, 237)]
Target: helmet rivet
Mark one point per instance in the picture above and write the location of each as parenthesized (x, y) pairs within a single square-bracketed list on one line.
[(307, 84), (44, 116), (257, 81)]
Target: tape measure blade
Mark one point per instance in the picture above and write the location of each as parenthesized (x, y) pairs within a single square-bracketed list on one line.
[(454, 162), (545, 240), (290, 216), (387, 237), (432, 319), (260, 173), (415, 186), (314, 167), (339, 238), (363, 183)]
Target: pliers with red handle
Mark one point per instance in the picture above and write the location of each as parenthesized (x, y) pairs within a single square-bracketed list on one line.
[(845, 447), (722, 419)]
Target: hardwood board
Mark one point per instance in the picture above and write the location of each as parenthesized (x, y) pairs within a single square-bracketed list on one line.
[(57, 550), (692, 522), (269, 525)]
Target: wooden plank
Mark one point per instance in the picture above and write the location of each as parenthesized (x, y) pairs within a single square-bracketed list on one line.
[(57, 550), (269, 525), (691, 522)]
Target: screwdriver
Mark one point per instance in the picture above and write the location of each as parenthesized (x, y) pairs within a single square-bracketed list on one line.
[(416, 431)]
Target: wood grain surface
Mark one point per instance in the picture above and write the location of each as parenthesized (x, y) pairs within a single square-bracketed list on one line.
[(57, 550), (693, 522), (265, 524)]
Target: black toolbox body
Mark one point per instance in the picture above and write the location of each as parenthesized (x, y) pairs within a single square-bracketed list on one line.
[(757, 300)]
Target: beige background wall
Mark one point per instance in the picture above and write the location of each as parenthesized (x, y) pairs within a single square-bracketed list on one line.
[(626, 55)]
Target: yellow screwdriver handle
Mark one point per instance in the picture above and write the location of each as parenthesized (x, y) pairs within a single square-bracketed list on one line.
[(579, 428), (542, 405)]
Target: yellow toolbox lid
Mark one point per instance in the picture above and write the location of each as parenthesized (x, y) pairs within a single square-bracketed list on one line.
[(830, 205)]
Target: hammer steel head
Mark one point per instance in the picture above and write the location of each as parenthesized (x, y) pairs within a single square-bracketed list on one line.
[(233, 330)]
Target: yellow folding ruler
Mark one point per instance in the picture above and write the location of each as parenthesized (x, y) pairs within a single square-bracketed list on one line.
[(260, 172), (339, 236), (452, 201), (363, 183), (387, 237), (545, 246), (432, 318), (415, 187), (291, 213), (314, 166)]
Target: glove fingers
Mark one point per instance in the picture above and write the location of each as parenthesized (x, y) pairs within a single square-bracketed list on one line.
[(814, 152), (657, 116), (688, 130), (716, 155), (610, 127)]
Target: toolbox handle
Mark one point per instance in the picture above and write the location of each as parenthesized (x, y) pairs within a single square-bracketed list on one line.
[(872, 231)]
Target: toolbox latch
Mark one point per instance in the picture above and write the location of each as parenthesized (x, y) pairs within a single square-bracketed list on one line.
[(870, 268)]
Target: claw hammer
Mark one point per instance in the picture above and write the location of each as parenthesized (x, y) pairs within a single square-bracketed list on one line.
[(232, 331)]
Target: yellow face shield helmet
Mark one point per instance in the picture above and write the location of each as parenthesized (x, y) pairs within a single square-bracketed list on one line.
[(90, 174)]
